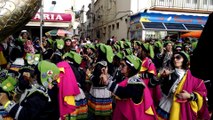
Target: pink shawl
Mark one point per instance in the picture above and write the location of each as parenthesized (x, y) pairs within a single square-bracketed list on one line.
[(67, 87), (193, 84), (127, 110)]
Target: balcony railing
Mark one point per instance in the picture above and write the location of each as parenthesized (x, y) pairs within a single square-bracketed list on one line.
[(183, 5)]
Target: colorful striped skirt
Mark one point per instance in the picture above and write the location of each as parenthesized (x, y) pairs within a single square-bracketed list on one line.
[(100, 101), (81, 111)]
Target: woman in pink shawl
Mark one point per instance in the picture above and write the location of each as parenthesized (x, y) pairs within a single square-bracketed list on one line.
[(68, 89), (133, 99), (184, 96)]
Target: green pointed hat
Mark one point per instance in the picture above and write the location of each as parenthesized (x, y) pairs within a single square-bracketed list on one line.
[(50, 41), (67, 38), (74, 56), (151, 51), (120, 55), (48, 71), (128, 51), (158, 44), (121, 44), (138, 43), (185, 55), (29, 69), (60, 43), (91, 46), (32, 59), (117, 47), (9, 84), (98, 45), (145, 47), (127, 44), (194, 45), (165, 43), (178, 46), (134, 61), (108, 52)]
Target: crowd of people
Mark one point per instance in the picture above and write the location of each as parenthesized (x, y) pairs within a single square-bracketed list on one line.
[(67, 78)]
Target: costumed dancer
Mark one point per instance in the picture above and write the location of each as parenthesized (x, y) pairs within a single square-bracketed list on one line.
[(134, 101)]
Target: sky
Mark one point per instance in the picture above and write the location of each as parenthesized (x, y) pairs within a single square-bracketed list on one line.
[(62, 5)]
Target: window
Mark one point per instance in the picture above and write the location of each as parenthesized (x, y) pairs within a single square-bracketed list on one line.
[(174, 26), (98, 34), (117, 25), (104, 30), (151, 25), (194, 26), (109, 27), (113, 26)]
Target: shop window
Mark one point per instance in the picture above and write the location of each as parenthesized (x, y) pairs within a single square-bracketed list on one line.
[(174, 26), (153, 25), (193, 26), (117, 25)]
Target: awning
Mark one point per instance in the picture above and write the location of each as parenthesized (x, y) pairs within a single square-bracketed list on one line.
[(167, 22), (49, 24), (195, 34)]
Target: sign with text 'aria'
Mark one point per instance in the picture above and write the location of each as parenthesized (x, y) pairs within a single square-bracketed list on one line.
[(53, 17)]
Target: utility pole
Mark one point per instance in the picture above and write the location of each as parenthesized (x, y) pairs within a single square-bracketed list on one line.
[(41, 20), (93, 16), (41, 23)]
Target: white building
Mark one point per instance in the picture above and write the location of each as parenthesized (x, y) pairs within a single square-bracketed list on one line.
[(109, 18)]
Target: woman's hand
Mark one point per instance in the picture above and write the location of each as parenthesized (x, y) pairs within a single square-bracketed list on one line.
[(104, 77), (164, 72), (184, 95), (3, 98)]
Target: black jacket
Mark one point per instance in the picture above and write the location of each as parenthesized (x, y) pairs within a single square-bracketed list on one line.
[(33, 105)]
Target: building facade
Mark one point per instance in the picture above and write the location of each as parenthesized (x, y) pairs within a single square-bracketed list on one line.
[(112, 17), (107, 18)]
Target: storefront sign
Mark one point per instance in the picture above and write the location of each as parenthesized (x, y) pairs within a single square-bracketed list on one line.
[(53, 17), (168, 18)]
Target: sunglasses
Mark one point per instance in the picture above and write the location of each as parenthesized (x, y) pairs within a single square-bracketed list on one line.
[(103, 63), (178, 57), (122, 65)]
